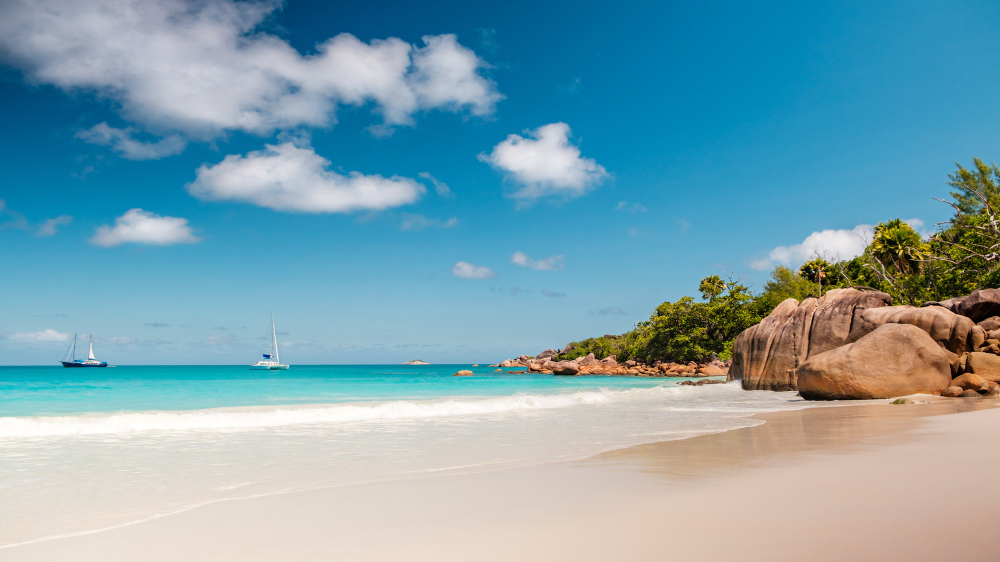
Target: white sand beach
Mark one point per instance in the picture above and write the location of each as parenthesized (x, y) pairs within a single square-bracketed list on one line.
[(866, 482)]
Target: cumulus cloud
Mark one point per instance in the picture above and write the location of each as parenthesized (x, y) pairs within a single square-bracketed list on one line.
[(205, 67), (466, 270), (51, 226), (544, 162), (286, 177), (440, 187), (420, 222), (551, 263), (46, 335), (833, 245), (123, 141), (143, 227)]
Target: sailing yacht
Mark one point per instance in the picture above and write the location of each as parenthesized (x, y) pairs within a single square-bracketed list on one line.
[(271, 361), (89, 362)]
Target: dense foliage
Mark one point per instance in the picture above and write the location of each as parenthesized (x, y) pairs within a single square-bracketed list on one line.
[(962, 256)]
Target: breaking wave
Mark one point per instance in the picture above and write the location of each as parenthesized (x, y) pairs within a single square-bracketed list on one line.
[(279, 416)]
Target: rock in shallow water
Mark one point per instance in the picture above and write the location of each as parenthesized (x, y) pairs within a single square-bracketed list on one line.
[(893, 360), (463, 373)]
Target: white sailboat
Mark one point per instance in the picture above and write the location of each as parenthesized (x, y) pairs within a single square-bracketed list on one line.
[(271, 361), (71, 361)]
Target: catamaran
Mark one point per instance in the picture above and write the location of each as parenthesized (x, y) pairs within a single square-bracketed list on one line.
[(89, 362), (271, 361)]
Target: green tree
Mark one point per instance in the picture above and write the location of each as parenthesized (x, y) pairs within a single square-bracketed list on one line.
[(711, 287), (816, 270), (983, 179), (786, 284)]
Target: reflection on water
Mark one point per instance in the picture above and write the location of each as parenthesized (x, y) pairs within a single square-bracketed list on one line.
[(823, 429)]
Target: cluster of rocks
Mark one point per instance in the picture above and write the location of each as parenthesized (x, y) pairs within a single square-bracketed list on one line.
[(545, 363), (853, 344)]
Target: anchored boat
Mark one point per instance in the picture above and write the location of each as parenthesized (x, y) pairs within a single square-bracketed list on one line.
[(271, 361), (89, 362)]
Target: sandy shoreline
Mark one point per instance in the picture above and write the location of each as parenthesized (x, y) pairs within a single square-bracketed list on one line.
[(866, 482)]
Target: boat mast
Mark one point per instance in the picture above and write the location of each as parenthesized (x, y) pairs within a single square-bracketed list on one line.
[(74, 348), (274, 341)]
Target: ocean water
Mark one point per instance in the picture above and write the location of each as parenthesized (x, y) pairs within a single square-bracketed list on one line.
[(83, 450)]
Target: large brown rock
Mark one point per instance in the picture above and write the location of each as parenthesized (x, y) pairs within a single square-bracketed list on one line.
[(990, 324), (980, 304), (893, 360), (765, 356), (985, 365), (971, 381), (951, 331), (834, 318)]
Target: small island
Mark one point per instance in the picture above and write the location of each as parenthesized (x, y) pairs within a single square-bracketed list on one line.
[(416, 362)]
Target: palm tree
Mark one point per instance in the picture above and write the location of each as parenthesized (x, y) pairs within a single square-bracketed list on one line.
[(896, 243), (815, 270)]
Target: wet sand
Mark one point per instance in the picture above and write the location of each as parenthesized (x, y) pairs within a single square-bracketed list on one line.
[(867, 482)]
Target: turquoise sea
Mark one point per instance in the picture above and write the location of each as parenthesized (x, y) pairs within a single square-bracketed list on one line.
[(45, 391), (83, 450)]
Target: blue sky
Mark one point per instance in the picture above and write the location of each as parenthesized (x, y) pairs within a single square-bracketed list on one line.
[(174, 171)]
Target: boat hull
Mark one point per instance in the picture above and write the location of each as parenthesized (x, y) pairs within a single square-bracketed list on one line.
[(76, 364), (268, 367)]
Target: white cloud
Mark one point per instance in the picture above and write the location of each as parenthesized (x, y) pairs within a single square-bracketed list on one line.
[(420, 222), (832, 245), (466, 270), (46, 335), (123, 141), (440, 187), (143, 227), (204, 67), (551, 263), (286, 177), (51, 226), (633, 208), (545, 163)]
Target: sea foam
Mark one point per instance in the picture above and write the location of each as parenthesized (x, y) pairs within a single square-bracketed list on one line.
[(258, 417)]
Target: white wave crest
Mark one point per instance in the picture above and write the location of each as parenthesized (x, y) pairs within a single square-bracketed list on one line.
[(278, 416)]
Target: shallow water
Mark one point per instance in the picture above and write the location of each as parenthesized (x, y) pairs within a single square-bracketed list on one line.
[(81, 451)]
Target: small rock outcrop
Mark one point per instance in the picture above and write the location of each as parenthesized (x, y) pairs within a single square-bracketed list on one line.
[(547, 354), (893, 360), (416, 362), (463, 373)]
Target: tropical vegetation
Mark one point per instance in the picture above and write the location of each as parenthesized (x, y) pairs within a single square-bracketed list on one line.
[(963, 255)]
